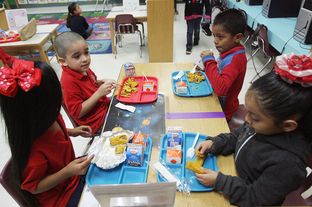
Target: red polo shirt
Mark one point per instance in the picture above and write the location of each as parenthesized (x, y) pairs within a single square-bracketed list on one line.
[(50, 152), (77, 88)]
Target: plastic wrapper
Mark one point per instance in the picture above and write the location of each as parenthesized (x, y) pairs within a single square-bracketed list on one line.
[(105, 156), (182, 185)]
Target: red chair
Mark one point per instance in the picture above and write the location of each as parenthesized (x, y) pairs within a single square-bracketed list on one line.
[(6, 181), (263, 44), (294, 198), (238, 118)]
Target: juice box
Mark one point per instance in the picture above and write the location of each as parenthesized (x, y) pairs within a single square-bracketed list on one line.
[(135, 155), (148, 86), (174, 156)]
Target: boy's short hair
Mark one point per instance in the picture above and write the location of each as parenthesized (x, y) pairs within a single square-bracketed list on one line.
[(64, 40), (232, 20)]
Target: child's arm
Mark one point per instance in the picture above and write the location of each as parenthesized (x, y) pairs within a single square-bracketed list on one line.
[(84, 131), (103, 90), (76, 167), (221, 83), (222, 144), (271, 187)]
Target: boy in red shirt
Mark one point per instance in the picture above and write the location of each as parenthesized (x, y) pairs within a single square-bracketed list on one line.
[(226, 74), (84, 96)]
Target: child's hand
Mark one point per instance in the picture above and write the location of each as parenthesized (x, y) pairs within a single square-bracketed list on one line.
[(203, 147), (84, 131), (106, 88), (79, 166), (206, 53), (100, 82), (208, 178), (199, 69)]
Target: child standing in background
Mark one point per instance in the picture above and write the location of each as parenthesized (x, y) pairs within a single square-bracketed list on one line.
[(77, 23), (84, 95), (272, 148), (43, 165), (193, 15), (227, 74)]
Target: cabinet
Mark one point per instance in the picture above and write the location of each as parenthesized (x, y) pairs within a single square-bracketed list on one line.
[(160, 30), (3, 20)]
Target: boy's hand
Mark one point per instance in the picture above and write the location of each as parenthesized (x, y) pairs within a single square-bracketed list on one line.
[(84, 131), (204, 147), (208, 178), (106, 88), (206, 53), (79, 166)]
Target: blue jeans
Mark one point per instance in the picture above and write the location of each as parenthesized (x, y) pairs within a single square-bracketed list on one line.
[(193, 26)]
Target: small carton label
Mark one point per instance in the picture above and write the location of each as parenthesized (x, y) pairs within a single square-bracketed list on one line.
[(135, 155), (174, 156), (148, 86), (174, 139)]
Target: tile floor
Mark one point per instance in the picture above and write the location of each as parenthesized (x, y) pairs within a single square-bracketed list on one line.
[(106, 66)]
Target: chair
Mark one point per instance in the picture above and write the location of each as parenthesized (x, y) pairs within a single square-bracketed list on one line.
[(238, 118), (295, 198), (69, 116), (6, 181), (126, 24), (261, 36)]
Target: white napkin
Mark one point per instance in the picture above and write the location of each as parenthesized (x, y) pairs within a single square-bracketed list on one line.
[(125, 107)]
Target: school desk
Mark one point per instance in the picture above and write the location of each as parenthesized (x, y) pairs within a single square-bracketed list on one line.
[(280, 30), (44, 35), (182, 112), (140, 14)]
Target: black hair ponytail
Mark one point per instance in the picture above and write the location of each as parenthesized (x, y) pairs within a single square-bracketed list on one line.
[(281, 100), (71, 8), (27, 116)]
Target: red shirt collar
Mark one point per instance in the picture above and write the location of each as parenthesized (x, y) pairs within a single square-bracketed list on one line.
[(234, 49), (74, 73)]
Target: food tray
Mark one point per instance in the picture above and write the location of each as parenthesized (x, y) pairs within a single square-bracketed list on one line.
[(179, 169), (140, 96), (12, 38), (193, 89), (121, 174)]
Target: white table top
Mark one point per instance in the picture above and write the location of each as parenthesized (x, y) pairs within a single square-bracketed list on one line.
[(43, 32), (141, 12)]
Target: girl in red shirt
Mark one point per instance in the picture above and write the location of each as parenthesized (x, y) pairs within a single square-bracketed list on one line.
[(44, 168)]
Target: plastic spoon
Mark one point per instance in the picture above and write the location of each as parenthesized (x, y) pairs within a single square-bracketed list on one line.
[(191, 151)]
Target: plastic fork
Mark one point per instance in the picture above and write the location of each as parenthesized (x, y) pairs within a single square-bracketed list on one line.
[(194, 68), (191, 151)]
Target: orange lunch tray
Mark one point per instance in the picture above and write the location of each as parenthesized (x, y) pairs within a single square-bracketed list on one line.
[(149, 95)]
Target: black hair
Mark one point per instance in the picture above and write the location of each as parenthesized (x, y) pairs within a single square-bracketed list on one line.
[(71, 8), (64, 40), (281, 100), (27, 116), (232, 20)]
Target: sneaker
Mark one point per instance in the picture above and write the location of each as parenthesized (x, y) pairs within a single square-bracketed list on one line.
[(188, 51), (206, 29), (176, 12), (195, 43)]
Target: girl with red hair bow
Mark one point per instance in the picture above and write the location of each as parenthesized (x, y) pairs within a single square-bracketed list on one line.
[(44, 169)]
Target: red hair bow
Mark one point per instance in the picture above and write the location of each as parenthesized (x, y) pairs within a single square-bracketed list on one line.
[(295, 69), (22, 74)]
